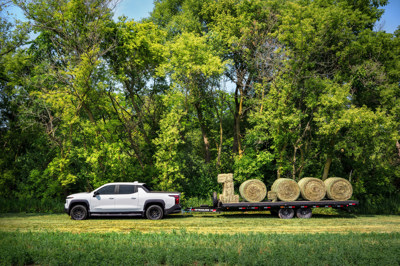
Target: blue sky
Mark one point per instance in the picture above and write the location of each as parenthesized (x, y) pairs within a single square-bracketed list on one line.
[(391, 17), (138, 9)]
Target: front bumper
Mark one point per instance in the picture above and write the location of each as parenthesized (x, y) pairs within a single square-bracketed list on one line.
[(174, 209)]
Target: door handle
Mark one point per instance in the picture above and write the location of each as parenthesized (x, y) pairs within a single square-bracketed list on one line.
[(111, 198), (133, 198)]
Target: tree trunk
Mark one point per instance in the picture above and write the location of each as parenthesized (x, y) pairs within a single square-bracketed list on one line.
[(220, 141), (326, 167), (207, 155), (236, 123), (398, 147), (294, 163), (279, 163)]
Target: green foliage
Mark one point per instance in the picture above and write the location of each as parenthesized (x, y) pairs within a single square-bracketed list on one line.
[(169, 160), (313, 91), (31, 206), (189, 248), (195, 202), (379, 204)]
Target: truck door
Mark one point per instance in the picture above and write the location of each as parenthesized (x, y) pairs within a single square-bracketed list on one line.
[(127, 199), (103, 199)]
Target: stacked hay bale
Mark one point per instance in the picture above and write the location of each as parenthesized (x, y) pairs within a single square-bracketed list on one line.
[(253, 190), (286, 189), (228, 192), (312, 189), (272, 196), (338, 188)]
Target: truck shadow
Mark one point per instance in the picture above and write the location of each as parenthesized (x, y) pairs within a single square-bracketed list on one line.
[(139, 217)]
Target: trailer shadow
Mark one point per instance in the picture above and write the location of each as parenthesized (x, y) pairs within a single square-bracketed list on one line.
[(272, 216)]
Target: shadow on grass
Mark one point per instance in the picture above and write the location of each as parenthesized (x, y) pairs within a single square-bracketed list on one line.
[(272, 216), (138, 217), (229, 215), (26, 214), (236, 215)]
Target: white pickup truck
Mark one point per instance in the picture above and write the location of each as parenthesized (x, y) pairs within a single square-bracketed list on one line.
[(127, 199)]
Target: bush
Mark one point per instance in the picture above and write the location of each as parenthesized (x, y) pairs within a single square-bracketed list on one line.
[(389, 204), (31, 205)]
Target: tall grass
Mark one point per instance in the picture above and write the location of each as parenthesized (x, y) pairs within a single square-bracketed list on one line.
[(195, 202), (31, 205), (389, 204), (191, 248)]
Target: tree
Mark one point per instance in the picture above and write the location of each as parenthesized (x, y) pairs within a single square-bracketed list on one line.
[(244, 30), (139, 51), (326, 98), (193, 67), (68, 83)]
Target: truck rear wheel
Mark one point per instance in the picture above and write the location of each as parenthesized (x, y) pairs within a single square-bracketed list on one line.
[(304, 213), (154, 212), (286, 213), (79, 212)]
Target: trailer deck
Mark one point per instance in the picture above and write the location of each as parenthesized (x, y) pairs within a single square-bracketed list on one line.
[(286, 210)]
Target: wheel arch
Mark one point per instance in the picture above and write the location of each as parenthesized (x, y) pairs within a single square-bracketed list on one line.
[(148, 203), (78, 202)]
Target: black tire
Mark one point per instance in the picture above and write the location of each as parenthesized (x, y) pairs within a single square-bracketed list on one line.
[(286, 213), (215, 199), (79, 212), (154, 212), (304, 213)]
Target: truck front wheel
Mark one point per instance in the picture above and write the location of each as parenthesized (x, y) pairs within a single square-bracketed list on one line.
[(286, 213), (154, 212), (79, 212)]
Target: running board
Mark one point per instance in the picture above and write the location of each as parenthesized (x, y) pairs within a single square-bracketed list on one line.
[(116, 214)]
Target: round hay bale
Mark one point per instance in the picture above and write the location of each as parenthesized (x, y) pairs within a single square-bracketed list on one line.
[(286, 189), (253, 190), (338, 188), (312, 189)]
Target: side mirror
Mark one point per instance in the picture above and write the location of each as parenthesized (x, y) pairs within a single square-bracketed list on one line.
[(95, 194)]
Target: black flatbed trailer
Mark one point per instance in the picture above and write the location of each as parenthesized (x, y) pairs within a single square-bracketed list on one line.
[(285, 210)]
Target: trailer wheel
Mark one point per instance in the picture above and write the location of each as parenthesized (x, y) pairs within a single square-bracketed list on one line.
[(304, 213), (286, 213)]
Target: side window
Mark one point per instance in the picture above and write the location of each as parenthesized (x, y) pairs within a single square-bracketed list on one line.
[(107, 190), (127, 189)]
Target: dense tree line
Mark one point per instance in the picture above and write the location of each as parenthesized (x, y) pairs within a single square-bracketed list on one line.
[(263, 89)]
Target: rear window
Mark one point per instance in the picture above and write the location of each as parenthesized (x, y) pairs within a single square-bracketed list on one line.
[(127, 189)]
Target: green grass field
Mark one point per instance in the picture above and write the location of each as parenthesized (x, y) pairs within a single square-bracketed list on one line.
[(244, 239)]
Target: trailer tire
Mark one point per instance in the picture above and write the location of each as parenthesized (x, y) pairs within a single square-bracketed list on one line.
[(285, 213), (304, 213)]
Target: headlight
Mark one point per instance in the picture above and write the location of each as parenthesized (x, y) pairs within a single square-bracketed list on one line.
[(69, 197)]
